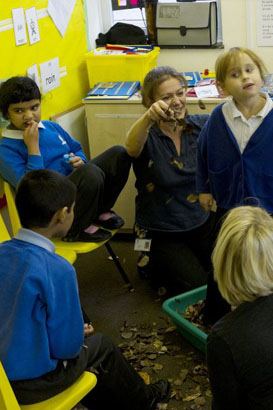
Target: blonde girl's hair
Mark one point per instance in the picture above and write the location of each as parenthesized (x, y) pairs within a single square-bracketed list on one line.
[(243, 255), (154, 78), (224, 60)]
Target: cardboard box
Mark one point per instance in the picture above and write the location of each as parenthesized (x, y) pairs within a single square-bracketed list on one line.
[(187, 23)]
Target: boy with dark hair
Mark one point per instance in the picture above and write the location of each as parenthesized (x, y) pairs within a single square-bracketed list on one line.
[(29, 144), (42, 344), (40, 195)]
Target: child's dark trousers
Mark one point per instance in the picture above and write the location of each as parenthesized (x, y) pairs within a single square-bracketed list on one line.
[(119, 385), (99, 183)]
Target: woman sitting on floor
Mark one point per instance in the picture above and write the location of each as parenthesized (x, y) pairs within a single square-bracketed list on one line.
[(240, 345), (163, 146)]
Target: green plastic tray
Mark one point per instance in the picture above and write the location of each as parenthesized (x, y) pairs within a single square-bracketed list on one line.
[(176, 306)]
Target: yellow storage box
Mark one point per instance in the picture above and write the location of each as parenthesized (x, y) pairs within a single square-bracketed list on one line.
[(121, 67)]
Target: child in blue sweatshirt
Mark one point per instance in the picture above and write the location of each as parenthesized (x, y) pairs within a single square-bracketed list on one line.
[(29, 144), (235, 147), (44, 344)]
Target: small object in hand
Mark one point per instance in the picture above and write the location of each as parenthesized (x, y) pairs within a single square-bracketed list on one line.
[(68, 157)]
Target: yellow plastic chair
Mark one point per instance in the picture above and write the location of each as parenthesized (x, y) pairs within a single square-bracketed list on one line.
[(62, 401), (4, 235), (61, 246)]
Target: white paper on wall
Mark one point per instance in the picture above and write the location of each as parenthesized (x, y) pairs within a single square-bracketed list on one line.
[(264, 23), (32, 72), (32, 25), (60, 11), (50, 74), (19, 25)]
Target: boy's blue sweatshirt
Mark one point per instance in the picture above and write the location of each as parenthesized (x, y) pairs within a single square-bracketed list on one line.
[(229, 175), (40, 314), (54, 142)]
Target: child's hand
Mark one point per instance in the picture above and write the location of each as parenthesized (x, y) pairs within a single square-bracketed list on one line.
[(31, 138), (75, 161), (88, 329), (206, 201)]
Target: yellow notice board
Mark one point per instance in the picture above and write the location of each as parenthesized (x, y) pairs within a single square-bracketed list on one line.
[(70, 49)]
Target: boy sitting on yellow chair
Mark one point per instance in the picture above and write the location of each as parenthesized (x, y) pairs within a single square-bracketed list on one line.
[(44, 344)]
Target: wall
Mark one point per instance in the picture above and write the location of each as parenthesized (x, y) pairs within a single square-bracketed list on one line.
[(70, 49), (238, 26), (239, 29)]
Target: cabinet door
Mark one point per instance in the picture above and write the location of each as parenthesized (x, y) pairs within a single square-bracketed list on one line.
[(107, 125)]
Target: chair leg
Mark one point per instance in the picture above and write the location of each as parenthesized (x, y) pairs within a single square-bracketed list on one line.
[(118, 265), (85, 316)]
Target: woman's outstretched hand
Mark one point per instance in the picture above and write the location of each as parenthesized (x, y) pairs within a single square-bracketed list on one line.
[(160, 110)]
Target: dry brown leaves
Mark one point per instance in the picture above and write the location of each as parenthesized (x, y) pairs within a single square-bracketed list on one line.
[(145, 347), (177, 122), (194, 314)]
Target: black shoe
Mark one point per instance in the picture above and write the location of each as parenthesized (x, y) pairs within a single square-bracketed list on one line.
[(161, 392), (115, 222), (99, 236)]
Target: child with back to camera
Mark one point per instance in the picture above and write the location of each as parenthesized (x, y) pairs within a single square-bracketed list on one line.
[(29, 143), (240, 345), (235, 147), (42, 345)]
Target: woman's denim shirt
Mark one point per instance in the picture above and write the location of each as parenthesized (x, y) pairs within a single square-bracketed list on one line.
[(165, 181)]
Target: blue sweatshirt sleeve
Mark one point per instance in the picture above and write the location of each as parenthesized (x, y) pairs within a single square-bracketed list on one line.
[(64, 315), (15, 161), (74, 145), (202, 177)]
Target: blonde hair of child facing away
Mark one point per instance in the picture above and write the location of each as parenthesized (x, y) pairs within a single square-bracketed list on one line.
[(243, 255), (154, 78), (232, 55)]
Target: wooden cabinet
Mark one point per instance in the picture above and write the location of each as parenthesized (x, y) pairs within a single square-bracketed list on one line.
[(107, 125), (209, 105)]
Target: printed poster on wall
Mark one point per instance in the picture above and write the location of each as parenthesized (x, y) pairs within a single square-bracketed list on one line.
[(32, 25), (32, 72), (19, 25), (50, 75), (265, 23), (61, 11)]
